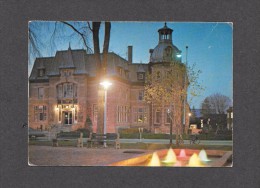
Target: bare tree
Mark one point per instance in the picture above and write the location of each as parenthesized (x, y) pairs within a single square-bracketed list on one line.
[(215, 104), (82, 32)]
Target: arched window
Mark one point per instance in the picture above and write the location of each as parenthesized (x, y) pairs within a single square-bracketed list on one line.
[(168, 51)]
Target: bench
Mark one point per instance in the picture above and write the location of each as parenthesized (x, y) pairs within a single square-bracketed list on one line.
[(94, 139), (55, 142)]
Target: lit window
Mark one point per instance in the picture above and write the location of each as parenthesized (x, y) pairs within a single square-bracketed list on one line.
[(140, 115)]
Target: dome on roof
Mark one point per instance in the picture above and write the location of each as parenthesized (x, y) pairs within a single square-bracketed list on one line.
[(165, 51)]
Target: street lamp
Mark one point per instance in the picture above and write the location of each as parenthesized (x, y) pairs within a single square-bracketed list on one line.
[(106, 84), (178, 55)]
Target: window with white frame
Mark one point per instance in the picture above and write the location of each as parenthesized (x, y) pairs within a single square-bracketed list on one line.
[(40, 113), (122, 114)]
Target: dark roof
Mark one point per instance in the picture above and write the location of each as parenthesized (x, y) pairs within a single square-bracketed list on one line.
[(82, 63)]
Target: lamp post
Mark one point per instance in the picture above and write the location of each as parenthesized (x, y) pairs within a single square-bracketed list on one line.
[(185, 82), (169, 114), (106, 85), (141, 130)]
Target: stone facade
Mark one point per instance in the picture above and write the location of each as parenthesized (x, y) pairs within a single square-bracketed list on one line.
[(63, 90)]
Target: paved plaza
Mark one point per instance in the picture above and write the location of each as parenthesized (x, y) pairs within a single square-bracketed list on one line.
[(73, 156)]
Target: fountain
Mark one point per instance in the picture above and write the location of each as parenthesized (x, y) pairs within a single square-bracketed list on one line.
[(182, 154), (170, 157), (186, 158), (155, 161), (194, 161), (203, 156)]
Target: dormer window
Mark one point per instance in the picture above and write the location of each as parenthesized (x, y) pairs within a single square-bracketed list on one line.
[(66, 73), (168, 51), (140, 76), (41, 72)]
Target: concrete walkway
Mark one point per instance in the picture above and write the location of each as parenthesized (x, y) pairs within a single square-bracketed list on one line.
[(72, 156)]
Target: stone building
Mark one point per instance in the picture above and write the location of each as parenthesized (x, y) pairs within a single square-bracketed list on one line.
[(63, 90)]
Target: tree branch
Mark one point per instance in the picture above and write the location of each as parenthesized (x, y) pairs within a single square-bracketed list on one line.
[(78, 32)]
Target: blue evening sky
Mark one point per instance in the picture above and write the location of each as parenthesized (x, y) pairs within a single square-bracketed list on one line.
[(210, 48)]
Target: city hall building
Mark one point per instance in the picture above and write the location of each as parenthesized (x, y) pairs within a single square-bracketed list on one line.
[(63, 90)]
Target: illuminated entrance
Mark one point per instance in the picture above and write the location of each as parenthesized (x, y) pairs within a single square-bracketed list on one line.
[(67, 117)]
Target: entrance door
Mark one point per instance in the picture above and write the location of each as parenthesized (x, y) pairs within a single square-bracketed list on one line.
[(67, 118)]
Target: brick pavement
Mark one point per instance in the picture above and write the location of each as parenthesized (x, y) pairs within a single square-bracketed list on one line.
[(72, 156)]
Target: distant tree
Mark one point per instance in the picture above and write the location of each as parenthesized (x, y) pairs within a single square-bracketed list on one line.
[(215, 104)]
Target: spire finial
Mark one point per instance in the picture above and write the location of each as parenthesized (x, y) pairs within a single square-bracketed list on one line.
[(165, 25), (69, 46)]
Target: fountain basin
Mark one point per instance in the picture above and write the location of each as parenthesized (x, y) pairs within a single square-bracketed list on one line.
[(217, 158)]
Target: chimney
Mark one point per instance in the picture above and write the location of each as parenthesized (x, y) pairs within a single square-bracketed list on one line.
[(130, 54)]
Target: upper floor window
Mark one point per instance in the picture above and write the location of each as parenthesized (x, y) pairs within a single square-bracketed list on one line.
[(40, 92), (67, 90), (120, 71), (140, 76), (140, 95), (127, 74)]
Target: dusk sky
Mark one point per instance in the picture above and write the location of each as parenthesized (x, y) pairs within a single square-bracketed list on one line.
[(210, 48)]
